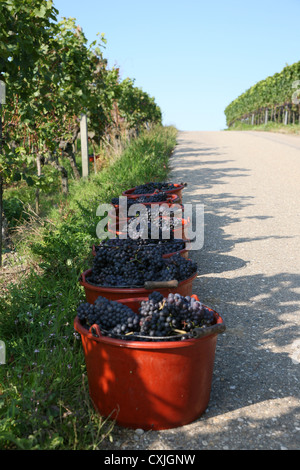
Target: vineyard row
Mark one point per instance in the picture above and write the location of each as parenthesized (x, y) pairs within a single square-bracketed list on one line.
[(276, 99), (282, 114)]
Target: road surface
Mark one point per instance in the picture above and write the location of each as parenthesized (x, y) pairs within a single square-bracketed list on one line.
[(249, 183)]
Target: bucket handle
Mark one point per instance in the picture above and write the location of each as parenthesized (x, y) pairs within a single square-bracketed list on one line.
[(95, 330), (160, 284), (213, 329)]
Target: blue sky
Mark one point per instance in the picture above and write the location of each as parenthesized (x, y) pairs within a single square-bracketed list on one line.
[(193, 57)]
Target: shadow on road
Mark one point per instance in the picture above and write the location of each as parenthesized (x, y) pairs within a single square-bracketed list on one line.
[(250, 379)]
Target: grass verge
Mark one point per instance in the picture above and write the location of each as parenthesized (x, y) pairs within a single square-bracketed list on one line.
[(44, 399)]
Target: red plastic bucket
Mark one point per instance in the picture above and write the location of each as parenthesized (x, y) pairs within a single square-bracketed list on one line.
[(92, 292), (117, 221), (179, 231), (177, 190), (171, 199), (149, 385)]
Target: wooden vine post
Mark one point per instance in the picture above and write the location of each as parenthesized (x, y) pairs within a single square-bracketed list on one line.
[(2, 101), (39, 174), (84, 145), (1, 188), (266, 116)]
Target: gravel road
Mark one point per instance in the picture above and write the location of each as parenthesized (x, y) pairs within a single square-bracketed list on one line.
[(249, 183)]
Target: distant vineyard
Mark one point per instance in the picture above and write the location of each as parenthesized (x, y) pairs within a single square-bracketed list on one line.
[(277, 99)]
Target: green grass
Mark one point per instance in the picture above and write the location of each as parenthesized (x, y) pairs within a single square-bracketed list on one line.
[(44, 399), (270, 127)]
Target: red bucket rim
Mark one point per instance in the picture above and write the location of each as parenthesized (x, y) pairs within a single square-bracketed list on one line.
[(165, 255), (184, 223), (123, 290), (129, 192), (170, 204), (172, 198)]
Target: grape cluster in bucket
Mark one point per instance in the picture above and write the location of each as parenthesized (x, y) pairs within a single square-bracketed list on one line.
[(152, 269), (159, 318)]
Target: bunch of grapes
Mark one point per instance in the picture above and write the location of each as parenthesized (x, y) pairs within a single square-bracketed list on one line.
[(172, 316), (164, 219), (127, 266), (153, 317), (159, 318), (169, 246), (157, 197), (183, 267), (158, 212), (162, 246), (150, 188), (112, 317), (160, 228)]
